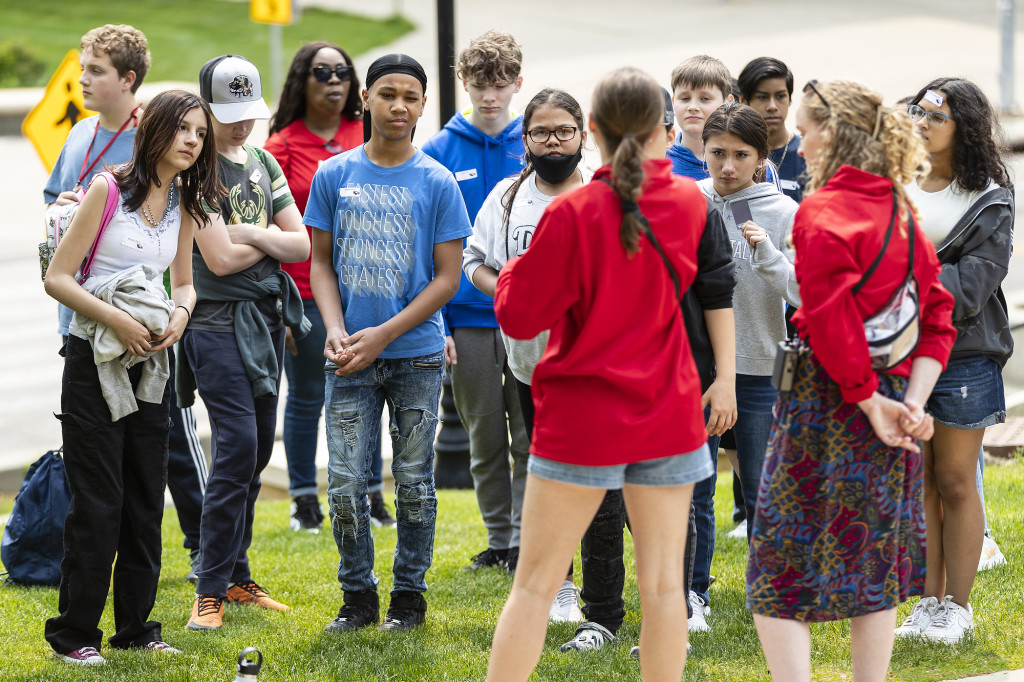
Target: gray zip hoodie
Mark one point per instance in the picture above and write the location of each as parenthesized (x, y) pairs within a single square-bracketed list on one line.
[(764, 275)]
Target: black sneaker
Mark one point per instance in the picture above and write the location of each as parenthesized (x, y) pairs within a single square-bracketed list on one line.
[(489, 558), (361, 609), (512, 560), (379, 516), (407, 610), (306, 514)]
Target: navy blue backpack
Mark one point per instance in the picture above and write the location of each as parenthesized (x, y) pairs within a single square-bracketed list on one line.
[(33, 542)]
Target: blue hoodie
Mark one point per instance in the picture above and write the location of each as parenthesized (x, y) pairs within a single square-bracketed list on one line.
[(479, 162)]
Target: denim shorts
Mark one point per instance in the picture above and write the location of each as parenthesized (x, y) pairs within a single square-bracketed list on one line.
[(683, 469), (969, 394)]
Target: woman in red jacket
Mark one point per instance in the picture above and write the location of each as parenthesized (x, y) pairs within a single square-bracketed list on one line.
[(617, 394), (839, 527)]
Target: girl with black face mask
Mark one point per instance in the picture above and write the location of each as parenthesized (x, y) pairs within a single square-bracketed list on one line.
[(554, 135)]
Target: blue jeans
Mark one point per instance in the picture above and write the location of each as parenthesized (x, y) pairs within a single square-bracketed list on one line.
[(411, 387), (755, 399), (305, 401)]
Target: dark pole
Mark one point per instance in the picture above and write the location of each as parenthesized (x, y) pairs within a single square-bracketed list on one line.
[(451, 449), (446, 58)]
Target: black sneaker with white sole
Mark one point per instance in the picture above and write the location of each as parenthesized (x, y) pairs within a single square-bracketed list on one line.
[(361, 609), (379, 515), (489, 558), (306, 514), (407, 610)]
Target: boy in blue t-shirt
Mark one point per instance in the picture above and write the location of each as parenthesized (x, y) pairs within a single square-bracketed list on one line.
[(387, 254), (766, 84)]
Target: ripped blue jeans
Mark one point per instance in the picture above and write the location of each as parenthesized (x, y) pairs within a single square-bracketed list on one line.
[(354, 404)]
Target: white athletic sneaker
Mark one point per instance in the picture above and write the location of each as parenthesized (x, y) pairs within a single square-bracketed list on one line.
[(698, 621), (588, 636), (919, 619), (739, 531), (950, 622), (566, 607), (990, 555)]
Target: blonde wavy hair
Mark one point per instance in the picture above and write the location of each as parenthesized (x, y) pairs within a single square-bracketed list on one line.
[(858, 130)]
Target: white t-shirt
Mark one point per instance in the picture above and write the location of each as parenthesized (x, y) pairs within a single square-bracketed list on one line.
[(940, 211)]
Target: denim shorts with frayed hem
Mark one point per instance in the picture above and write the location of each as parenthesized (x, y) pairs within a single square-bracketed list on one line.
[(683, 469), (969, 394)]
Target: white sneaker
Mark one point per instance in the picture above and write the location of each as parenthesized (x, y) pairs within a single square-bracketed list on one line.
[(589, 636), (919, 619), (698, 621), (566, 607), (950, 622), (739, 531), (990, 555)]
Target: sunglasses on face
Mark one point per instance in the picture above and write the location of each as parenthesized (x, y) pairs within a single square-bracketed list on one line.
[(935, 118), (322, 72), (810, 88)]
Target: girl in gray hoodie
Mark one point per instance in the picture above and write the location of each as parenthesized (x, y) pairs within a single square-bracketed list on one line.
[(758, 218)]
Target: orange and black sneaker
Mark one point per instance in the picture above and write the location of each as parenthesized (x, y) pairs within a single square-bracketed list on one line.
[(253, 595), (207, 612)]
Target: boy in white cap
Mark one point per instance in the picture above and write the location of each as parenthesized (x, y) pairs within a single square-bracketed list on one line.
[(234, 343)]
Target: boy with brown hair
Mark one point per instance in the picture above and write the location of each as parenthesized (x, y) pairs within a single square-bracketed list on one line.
[(700, 85), (481, 146)]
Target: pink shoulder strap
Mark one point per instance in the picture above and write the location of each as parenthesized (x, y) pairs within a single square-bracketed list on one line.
[(113, 196)]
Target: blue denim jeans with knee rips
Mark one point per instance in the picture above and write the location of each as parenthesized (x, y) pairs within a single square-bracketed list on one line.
[(354, 403)]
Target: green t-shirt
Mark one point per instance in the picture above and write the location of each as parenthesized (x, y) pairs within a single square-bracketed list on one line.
[(257, 190)]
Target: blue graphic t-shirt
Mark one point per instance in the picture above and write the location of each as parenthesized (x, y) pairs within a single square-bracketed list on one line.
[(385, 222)]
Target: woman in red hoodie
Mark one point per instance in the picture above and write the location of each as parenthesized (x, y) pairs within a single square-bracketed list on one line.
[(617, 394), (839, 526)]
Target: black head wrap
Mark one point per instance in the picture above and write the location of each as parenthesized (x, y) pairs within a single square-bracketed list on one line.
[(391, 63)]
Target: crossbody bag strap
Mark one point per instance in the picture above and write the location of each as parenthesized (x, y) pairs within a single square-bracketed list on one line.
[(650, 236), (113, 196), (885, 245)]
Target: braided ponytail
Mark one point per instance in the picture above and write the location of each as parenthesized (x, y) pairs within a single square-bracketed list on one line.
[(627, 107)]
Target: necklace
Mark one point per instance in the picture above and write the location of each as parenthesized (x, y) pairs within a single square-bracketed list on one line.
[(785, 150), (147, 213)]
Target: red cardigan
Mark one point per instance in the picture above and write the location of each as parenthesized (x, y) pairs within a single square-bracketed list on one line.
[(837, 234), (300, 152), (617, 383)]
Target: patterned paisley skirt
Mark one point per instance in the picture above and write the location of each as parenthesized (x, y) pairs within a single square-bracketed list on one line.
[(839, 529)]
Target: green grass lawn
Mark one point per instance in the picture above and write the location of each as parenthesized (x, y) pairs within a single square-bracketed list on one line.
[(301, 571), (184, 34)]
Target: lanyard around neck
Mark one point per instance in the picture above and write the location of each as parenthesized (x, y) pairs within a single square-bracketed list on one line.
[(86, 171)]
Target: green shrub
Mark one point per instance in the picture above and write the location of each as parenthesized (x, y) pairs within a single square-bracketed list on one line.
[(20, 65)]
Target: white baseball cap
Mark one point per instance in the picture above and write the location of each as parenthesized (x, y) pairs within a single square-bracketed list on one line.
[(231, 85)]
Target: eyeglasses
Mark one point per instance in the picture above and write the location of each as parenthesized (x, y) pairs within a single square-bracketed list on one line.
[(322, 72), (563, 134), (810, 88), (935, 118)]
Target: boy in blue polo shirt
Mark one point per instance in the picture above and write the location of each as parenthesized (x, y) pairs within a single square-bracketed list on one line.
[(387, 254)]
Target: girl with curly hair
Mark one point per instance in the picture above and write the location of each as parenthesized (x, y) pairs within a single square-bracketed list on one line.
[(966, 208), (839, 525)]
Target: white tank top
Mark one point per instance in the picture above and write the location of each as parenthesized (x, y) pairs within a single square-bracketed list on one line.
[(128, 240)]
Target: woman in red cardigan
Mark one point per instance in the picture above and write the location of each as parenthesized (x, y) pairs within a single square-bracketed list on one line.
[(617, 394), (839, 527)]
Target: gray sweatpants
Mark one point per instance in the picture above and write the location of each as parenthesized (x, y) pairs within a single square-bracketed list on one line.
[(485, 396)]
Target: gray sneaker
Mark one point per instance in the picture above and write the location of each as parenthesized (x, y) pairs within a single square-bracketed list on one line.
[(194, 558), (589, 636)]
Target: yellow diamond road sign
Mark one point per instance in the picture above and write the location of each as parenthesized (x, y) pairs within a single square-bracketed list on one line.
[(271, 11), (50, 121)]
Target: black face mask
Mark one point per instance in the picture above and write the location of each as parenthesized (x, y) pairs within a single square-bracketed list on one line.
[(555, 169)]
